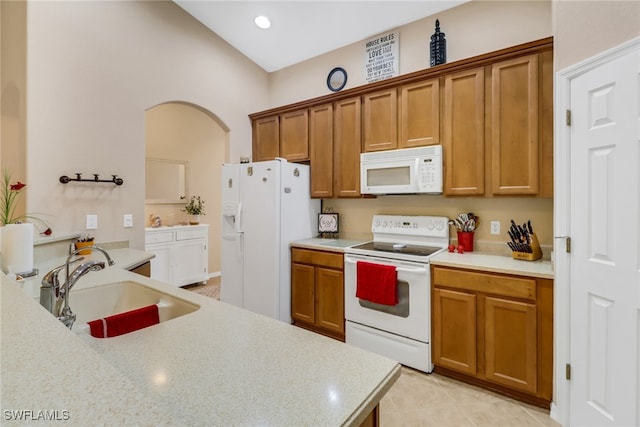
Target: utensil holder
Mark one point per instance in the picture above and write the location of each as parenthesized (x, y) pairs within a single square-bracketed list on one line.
[(465, 239), (536, 252)]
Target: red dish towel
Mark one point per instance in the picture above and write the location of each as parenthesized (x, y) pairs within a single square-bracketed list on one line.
[(377, 283), (123, 323)]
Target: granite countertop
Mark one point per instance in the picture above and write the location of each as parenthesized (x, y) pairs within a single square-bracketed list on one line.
[(220, 365), (495, 263)]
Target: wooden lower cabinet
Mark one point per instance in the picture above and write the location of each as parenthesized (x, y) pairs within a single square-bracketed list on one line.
[(143, 270), (455, 332), (494, 330), (317, 291)]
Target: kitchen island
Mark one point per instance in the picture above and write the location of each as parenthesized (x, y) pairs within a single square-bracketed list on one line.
[(220, 365)]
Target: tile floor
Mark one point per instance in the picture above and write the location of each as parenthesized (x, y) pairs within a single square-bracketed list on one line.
[(419, 399)]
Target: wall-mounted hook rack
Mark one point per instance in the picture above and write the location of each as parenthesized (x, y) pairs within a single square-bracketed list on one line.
[(96, 178)]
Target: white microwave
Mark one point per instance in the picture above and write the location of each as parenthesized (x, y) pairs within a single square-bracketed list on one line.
[(404, 171)]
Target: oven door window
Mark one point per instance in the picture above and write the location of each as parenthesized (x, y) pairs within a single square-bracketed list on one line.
[(401, 309)]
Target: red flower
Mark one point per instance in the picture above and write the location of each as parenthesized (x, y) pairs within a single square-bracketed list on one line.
[(18, 186)]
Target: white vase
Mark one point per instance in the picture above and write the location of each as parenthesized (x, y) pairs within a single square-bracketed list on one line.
[(194, 219)]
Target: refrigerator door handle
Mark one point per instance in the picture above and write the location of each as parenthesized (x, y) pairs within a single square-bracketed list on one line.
[(239, 244), (239, 218)]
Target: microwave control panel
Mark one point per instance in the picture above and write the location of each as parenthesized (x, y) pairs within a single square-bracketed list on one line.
[(430, 174)]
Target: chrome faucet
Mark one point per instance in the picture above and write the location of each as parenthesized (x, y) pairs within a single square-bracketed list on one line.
[(53, 295)]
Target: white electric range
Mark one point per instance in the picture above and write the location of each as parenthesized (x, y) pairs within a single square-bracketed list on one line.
[(403, 331)]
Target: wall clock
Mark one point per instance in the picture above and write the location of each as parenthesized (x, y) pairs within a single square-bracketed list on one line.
[(337, 79)]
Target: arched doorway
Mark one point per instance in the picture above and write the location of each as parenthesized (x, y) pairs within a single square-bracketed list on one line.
[(186, 132)]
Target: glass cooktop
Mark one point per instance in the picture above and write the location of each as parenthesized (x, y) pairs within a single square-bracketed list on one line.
[(399, 248)]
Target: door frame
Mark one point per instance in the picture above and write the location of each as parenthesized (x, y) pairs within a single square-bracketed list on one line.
[(560, 407)]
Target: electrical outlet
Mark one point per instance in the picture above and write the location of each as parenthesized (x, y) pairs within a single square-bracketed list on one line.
[(127, 220), (92, 222), (495, 227)]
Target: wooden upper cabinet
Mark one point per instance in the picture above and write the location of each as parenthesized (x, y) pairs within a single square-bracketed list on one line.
[(321, 150), (492, 113), (514, 126), (266, 138), (346, 147), (380, 117), (464, 128), (419, 114), (294, 135)]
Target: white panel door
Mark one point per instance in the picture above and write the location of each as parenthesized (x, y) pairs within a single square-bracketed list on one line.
[(605, 258)]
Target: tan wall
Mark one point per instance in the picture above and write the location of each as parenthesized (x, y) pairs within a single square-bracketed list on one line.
[(584, 28), (13, 69), (183, 132), (94, 68), (355, 215), (471, 29)]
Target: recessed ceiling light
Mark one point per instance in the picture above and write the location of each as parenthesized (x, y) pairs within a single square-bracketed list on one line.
[(262, 22)]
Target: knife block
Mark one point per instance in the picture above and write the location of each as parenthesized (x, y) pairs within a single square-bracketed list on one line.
[(536, 252)]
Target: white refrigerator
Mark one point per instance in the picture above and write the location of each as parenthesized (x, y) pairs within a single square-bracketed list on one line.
[(265, 207)]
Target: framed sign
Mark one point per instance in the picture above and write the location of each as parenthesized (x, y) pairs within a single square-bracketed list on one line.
[(381, 57), (327, 223)]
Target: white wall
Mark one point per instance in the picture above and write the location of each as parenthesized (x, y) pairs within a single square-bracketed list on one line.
[(471, 29), (93, 70)]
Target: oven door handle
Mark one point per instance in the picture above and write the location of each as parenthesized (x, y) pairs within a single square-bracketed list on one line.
[(419, 268)]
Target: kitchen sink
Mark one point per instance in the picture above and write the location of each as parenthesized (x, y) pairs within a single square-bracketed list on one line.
[(119, 297)]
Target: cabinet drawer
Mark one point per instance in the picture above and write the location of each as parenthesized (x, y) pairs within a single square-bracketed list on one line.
[(158, 237), (515, 287), (191, 234), (326, 259)]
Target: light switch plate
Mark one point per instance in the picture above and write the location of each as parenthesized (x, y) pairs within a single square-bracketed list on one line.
[(92, 222), (127, 220)]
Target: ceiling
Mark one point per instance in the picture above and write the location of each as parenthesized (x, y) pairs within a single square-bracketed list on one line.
[(304, 29)]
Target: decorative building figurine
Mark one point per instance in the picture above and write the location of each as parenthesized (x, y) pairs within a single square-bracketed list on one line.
[(438, 47)]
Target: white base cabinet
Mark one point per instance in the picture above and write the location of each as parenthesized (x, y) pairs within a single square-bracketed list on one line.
[(181, 253)]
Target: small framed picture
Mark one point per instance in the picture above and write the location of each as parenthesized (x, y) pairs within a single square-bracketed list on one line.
[(328, 223)]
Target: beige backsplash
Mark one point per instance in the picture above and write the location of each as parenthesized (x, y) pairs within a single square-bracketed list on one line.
[(356, 215)]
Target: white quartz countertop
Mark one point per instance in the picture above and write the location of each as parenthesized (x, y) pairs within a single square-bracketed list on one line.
[(331, 245), (220, 365), (495, 263), (469, 260)]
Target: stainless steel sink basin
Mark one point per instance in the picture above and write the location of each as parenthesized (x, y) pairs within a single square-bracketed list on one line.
[(119, 297)]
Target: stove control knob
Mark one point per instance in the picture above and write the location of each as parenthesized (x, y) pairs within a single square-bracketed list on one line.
[(430, 226), (440, 225)]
